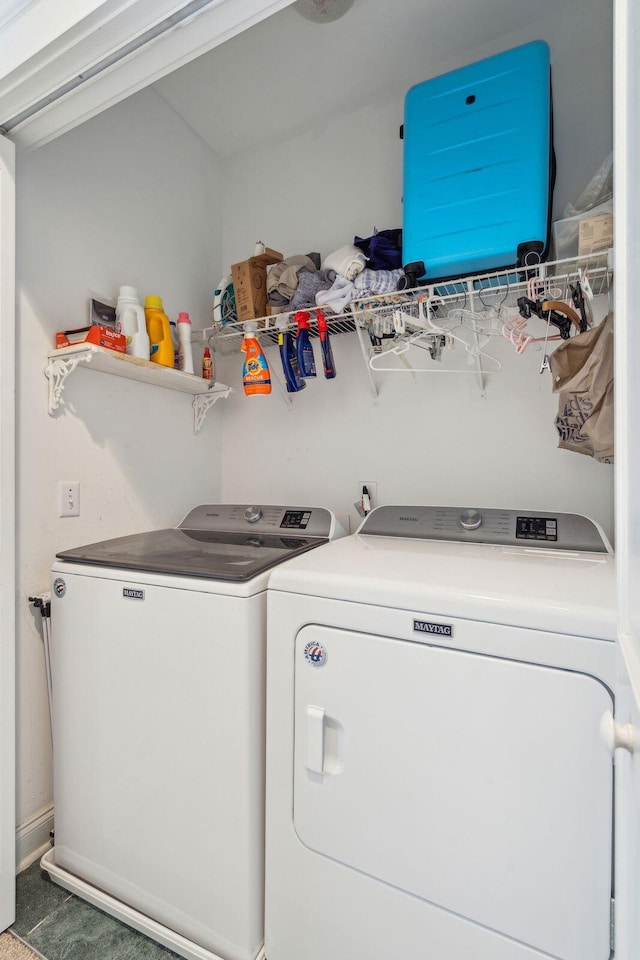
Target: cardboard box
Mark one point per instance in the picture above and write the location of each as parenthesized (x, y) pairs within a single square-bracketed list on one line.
[(250, 284), (98, 335), (595, 234), (268, 256), (569, 238)]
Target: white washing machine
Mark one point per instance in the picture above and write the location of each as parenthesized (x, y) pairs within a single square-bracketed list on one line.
[(158, 668), (438, 785)]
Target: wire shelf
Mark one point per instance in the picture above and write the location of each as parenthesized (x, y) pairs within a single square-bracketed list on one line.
[(227, 338), (505, 286), (408, 314)]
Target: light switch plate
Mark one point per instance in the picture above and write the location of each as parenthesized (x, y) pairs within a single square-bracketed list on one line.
[(68, 498)]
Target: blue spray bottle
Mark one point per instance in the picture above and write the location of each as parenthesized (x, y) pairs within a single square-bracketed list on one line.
[(288, 357), (304, 349), (325, 345)]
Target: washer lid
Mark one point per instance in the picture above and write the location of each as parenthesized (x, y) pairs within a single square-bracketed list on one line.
[(220, 542)]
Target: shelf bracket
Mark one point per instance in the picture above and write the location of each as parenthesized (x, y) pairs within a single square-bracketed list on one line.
[(365, 355), (57, 371), (203, 403)]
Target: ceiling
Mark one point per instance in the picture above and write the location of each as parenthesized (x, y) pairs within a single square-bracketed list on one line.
[(287, 72)]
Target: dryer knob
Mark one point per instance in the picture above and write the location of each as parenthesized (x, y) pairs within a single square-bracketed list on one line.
[(470, 519), (252, 514)]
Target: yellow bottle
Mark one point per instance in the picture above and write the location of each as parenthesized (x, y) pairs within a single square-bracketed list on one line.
[(159, 330)]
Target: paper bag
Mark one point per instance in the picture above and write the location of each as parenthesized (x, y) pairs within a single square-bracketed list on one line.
[(582, 372)]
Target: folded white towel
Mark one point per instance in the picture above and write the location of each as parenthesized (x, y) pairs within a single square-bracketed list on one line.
[(348, 261)]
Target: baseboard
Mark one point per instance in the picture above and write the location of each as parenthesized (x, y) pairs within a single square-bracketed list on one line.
[(33, 838)]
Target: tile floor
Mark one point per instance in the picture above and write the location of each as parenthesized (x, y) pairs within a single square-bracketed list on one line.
[(62, 927)]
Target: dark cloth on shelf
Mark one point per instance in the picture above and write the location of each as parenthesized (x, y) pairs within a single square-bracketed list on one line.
[(276, 299), (383, 249)]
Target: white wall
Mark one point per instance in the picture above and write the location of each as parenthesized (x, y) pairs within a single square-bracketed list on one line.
[(429, 439), (130, 197)]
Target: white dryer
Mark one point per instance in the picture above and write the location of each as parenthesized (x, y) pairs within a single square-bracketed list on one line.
[(438, 785), (158, 665)]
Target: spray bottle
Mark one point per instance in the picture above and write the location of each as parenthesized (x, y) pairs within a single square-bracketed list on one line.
[(325, 345), (288, 357), (304, 349), (207, 365), (256, 377), (130, 321)]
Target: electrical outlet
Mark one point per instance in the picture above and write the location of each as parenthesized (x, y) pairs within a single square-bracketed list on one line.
[(68, 498), (372, 489)]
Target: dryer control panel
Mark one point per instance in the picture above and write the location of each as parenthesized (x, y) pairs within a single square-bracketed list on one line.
[(527, 528)]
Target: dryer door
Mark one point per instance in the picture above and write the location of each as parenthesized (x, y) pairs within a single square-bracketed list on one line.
[(478, 784)]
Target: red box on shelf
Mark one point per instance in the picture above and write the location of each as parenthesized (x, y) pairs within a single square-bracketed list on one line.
[(98, 335)]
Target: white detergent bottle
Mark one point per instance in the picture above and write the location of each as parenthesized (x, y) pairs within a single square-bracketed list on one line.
[(185, 353), (130, 321)]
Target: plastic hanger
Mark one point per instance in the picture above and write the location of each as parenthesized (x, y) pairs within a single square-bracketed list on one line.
[(514, 330), (556, 311), (474, 350)]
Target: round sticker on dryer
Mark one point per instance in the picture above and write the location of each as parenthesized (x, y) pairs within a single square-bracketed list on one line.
[(59, 587), (315, 654)]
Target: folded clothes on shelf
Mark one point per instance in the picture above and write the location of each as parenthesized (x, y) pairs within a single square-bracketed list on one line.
[(298, 283), (309, 285), (372, 283), (283, 277), (368, 283), (337, 297), (348, 261)]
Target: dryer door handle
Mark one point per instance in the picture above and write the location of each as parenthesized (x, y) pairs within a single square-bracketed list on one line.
[(619, 736), (314, 761)]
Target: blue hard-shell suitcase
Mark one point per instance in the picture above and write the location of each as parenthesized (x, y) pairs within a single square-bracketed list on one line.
[(478, 167)]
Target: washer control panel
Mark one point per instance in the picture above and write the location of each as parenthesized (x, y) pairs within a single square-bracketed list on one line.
[(559, 531), (239, 518)]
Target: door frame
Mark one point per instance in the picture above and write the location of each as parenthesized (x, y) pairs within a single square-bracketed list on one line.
[(7, 534), (627, 458), (104, 40)]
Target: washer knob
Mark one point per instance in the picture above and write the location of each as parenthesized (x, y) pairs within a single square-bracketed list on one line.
[(470, 519), (252, 514)]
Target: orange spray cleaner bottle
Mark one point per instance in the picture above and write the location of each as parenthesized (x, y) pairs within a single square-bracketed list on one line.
[(256, 377)]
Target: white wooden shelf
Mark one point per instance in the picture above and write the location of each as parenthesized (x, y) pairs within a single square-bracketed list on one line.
[(62, 362)]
